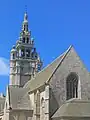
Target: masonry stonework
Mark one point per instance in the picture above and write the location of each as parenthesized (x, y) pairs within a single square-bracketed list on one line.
[(71, 63)]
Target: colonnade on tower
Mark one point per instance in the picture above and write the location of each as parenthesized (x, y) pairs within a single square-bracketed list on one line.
[(24, 59)]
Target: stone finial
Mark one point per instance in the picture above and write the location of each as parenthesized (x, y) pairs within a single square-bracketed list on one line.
[(25, 17)]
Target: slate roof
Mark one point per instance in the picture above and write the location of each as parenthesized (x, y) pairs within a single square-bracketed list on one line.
[(19, 98), (45, 74), (73, 108)]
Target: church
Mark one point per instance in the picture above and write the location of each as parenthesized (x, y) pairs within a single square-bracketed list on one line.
[(60, 91)]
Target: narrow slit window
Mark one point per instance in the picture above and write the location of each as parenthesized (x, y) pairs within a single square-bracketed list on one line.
[(27, 40), (24, 40)]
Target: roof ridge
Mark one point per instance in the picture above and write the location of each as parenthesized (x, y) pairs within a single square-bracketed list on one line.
[(77, 100), (57, 58), (45, 68), (51, 62), (47, 72), (63, 57)]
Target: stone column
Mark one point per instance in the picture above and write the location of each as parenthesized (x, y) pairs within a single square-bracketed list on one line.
[(79, 89), (38, 105), (20, 53), (47, 102), (25, 53), (36, 115), (35, 100)]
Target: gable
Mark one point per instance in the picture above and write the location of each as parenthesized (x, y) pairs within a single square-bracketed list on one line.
[(44, 75), (68, 62), (71, 63)]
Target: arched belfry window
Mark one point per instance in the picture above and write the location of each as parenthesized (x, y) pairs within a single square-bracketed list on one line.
[(72, 86)]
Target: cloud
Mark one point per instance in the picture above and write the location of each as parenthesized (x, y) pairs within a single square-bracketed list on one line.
[(4, 66)]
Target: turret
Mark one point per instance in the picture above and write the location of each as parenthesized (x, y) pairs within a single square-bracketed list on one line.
[(13, 53), (25, 23)]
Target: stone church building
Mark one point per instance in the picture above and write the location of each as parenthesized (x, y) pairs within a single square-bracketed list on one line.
[(60, 91)]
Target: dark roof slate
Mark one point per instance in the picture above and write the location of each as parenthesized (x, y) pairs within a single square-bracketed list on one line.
[(19, 98), (73, 108)]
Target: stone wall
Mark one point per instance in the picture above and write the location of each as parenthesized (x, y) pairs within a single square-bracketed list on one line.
[(40, 105), (71, 63)]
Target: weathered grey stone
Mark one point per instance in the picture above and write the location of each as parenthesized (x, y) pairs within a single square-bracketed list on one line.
[(71, 63)]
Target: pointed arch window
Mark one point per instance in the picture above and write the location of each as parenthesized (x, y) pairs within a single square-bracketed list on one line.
[(42, 102), (72, 86)]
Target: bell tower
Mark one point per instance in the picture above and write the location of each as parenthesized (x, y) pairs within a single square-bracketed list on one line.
[(24, 59)]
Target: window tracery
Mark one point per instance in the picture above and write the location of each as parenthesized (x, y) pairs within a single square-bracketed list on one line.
[(72, 86)]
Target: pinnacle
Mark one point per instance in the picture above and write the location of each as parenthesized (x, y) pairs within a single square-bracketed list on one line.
[(25, 16)]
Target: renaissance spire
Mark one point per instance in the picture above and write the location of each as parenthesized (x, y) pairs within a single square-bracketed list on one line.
[(25, 61)]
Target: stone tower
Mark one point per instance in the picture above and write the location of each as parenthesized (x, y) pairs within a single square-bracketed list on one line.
[(24, 60)]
